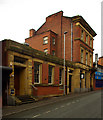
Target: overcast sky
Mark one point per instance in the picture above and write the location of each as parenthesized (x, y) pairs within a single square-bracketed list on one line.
[(18, 16)]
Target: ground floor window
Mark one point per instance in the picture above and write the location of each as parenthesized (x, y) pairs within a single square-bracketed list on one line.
[(50, 68), (36, 72), (60, 75), (85, 79)]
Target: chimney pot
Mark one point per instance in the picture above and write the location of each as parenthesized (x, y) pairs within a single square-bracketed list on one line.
[(32, 32)]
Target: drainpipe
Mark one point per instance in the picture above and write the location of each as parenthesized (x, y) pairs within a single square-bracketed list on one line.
[(71, 41), (64, 60)]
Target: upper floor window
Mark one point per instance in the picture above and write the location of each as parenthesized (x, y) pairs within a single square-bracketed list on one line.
[(45, 40), (36, 72), (90, 60), (86, 58), (46, 50), (82, 32), (90, 42), (86, 39), (53, 40), (53, 52), (50, 74), (81, 56)]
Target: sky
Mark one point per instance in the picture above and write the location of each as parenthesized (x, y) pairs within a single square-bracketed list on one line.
[(17, 17)]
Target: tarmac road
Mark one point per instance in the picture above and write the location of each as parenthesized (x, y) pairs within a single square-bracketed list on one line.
[(87, 106)]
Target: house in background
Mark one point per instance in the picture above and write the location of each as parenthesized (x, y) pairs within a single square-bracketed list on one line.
[(98, 81)]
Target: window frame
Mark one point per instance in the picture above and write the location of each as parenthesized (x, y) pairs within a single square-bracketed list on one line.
[(53, 52), (60, 76), (86, 38), (86, 58), (90, 42), (45, 40), (50, 75), (91, 60), (53, 40), (82, 35), (37, 63), (82, 57), (46, 51)]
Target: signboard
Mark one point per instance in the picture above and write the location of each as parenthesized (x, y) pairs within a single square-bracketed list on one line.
[(99, 75)]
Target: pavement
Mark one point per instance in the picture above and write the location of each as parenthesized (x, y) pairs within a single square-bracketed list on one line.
[(9, 110)]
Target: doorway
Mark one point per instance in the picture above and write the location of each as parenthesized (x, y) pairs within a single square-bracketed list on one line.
[(19, 80), (70, 80)]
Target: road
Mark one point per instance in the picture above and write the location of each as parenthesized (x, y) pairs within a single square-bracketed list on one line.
[(87, 106)]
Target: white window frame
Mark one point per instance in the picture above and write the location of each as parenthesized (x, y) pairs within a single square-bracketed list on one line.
[(45, 40), (51, 75), (46, 50), (39, 73)]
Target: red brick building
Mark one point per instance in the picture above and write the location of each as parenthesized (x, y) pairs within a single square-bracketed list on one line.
[(79, 38), (34, 73), (37, 74)]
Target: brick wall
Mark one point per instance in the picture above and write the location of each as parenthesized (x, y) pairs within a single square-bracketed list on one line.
[(36, 41), (43, 91), (48, 89), (59, 24), (100, 62)]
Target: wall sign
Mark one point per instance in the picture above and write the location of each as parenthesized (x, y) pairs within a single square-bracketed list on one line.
[(12, 92), (82, 75)]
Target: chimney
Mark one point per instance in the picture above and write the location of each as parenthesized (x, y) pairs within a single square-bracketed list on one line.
[(31, 32), (96, 60)]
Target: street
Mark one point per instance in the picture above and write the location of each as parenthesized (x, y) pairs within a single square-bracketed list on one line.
[(86, 106)]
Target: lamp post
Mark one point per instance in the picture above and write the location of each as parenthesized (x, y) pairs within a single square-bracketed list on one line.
[(64, 60)]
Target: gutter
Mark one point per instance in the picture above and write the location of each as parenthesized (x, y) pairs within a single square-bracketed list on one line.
[(71, 41)]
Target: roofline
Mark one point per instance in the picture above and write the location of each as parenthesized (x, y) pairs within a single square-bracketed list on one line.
[(42, 33), (80, 19), (84, 23), (40, 27), (101, 57), (29, 51), (55, 13)]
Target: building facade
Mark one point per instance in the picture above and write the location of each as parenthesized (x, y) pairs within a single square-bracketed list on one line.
[(37, 74), (98, 81), (49, 38), (78, 41)]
